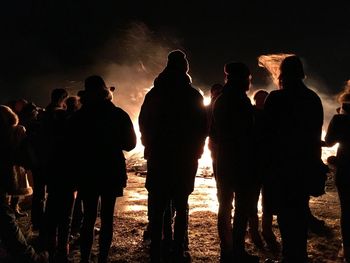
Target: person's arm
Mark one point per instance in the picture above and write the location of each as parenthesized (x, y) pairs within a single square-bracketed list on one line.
[(331, 137)]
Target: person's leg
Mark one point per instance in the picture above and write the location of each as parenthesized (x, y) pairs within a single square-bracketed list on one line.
[(314, 224), (292, 220), (181, 223), (253, 220), (224, 224), (38, 200), (77, 217), (158, 201), (344, 199), (48, 232), (64, 220), (168, 223), (106, 234), (244, 205), (266, 222), (13, 239), (87, 231)]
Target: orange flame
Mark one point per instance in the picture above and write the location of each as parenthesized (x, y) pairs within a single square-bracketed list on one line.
[(272, 63)]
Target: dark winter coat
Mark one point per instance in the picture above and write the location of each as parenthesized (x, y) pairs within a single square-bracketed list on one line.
[(339, 132), (173, 126), (10, 155), (98, 134), (232, 124), (295, 118)]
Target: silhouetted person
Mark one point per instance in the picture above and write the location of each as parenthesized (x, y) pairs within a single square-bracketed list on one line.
[(173, 126), (60, 188), (261, 148), (17, 106), (101, 132), (215, 91), (11, 135), (295, 115), (233, 121), (73, 104), (339, 132)]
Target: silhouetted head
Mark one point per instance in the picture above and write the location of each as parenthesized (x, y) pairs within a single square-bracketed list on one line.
[(58, 96), (259, 98), (291, 69), (95, 90), (18, 105), (345, 108), (215, 90), (177, 60), (8, 118), (238, 74), (72, 103), (29, 111)]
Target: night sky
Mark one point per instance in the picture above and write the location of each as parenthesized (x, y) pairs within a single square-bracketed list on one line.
[(45, 44)]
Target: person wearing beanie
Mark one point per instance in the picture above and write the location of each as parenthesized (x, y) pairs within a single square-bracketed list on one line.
[(295, 118), (173, 126), (232, 132), (100, 132)]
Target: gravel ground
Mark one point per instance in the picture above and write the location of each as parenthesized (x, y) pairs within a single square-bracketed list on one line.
[(131, 220)]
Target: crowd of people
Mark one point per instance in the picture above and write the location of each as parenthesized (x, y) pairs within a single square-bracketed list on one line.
[(74, 151)]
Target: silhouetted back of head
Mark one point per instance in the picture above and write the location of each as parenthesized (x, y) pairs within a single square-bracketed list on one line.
[(259, 98), (177, 60), (94, 83), (236, 71), (8, 117), (95, 90), (72, 103), (58, 95), (291, 69)]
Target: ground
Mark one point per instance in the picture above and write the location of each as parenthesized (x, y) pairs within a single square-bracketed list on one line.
[(131, 220)]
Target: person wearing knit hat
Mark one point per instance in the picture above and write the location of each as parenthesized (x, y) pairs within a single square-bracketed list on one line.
[(295, 115), (173, 126), (177, 60), (232, 132)]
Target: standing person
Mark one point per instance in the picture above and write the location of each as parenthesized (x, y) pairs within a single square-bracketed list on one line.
[(60, 189), (11, 136), (295, 116), (101, 132), (173, 126), (232, 124), (260, 158), (339, 132), (17, 106), (215, 92)]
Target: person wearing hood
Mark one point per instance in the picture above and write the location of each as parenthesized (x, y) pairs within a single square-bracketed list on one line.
[(101, 132), (173, 125)]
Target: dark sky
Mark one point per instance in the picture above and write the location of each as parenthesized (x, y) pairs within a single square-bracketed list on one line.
[(65, 38)]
